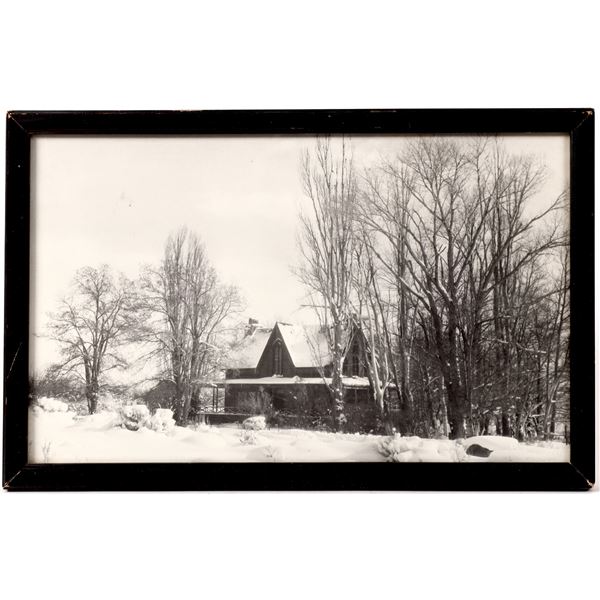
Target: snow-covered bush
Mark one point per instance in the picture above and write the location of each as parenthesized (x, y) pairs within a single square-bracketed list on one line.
[(134, 416), (107, 402), (52, 404), (79, 407), (459, 454), (162, 420), (398, 449), (100, 421), (257, 423), (199, 426), (415, 449)]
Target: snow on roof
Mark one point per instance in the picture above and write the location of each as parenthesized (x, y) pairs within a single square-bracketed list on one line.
[(349, 382), (249, 350), (307, 345)]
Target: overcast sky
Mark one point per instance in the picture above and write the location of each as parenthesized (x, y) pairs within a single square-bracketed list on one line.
[(115, 200)]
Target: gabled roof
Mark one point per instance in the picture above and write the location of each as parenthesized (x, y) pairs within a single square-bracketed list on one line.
[(349, 382), (248, 351), (307, 346)]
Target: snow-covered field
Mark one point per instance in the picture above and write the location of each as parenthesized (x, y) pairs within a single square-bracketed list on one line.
[(60, 436)]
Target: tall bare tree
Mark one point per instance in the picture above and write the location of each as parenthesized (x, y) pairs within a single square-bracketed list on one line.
[(186, 309), (383, 217), (327, 247), (458, 238), (91, 324), (372, 318)]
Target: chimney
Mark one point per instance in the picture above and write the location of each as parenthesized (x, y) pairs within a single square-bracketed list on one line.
[(251, 327)]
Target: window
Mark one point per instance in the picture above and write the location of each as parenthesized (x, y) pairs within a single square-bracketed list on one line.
[(277, 367), (354, 359), (355, 365)]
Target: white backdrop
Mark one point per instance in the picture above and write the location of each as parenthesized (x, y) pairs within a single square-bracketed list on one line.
[(219, 55)]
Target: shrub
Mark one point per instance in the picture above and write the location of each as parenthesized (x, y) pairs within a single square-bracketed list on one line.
[(414, 449), (162, 420), (397, 448), (362, 417), (307, 420), (53, 384), (257, 423), (134, 416), (52, 404), (79, 407)]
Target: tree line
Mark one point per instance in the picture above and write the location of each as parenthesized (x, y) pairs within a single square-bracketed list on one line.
[(457, 278), (176, 313)]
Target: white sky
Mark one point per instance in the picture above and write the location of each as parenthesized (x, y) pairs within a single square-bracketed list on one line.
[(115, 200)]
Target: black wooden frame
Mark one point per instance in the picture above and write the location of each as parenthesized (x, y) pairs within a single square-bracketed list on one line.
[(579, 474)]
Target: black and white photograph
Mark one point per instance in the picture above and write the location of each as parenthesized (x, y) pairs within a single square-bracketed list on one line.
[(279, 298), (299, 300)]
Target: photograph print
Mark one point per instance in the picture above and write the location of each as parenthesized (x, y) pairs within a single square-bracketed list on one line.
[(299, 298)]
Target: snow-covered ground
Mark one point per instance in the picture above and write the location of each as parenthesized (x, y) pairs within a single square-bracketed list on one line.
[(60, 436)]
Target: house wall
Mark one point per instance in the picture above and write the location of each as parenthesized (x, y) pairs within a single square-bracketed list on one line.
[(248, 373), (306, 406), (266, 368), (313, 371), (261, 399), (266, 363), (247, 399)]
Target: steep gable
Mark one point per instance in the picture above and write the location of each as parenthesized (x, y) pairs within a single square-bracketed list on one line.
[(276, 356), (304, 351)]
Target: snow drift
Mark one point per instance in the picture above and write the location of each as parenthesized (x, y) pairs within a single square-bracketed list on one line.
[(60, 436)]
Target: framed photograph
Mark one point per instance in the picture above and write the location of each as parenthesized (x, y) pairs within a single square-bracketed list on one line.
[(299, 300)]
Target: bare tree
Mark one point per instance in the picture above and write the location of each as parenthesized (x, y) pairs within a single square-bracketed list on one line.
[(556, 406), (504, 286), (383, 217), (372, 318), (327, 247), (186, 308), (458, 238), (91, 324)]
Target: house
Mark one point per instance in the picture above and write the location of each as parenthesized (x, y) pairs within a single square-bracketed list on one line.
[(284, 372)]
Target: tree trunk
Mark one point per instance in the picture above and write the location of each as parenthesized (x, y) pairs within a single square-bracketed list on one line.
[(406, 423), (91, 395), (185, 410), (178, 402), (506, 428), (456, 410), (457, 397), (337, 389)]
